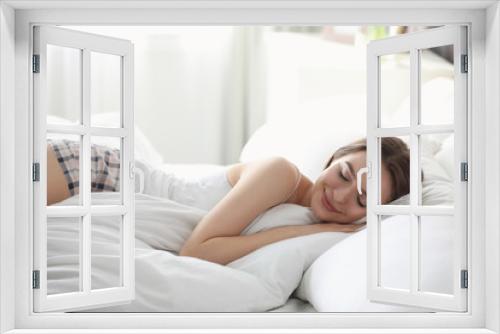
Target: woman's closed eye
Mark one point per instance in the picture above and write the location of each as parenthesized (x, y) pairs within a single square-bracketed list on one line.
[(360, 199), (346, 176), (342, 176)]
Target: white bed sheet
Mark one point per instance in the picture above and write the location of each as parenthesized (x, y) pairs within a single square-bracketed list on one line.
[(165, 282)]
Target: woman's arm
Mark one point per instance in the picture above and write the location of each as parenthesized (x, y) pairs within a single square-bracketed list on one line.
[(260, 186), (224, 250)]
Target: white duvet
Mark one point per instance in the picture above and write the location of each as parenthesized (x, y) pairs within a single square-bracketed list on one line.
[(166, 282)]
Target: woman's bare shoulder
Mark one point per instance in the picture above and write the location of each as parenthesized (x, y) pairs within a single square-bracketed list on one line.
[(275, 165)]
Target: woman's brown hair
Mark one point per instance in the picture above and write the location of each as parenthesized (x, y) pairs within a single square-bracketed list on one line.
[(395, 157)]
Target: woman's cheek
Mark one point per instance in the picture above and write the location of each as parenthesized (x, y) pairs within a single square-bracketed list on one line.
[(361, 213), (355, 213)]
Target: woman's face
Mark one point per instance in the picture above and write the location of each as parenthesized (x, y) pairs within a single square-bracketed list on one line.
[(335, 196)]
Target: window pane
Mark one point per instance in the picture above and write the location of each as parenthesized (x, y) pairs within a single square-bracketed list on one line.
[(437, 168), (399, 170), (105, 90), (64, 85), (436, 254), (63, 254), (106, 170), (63, 169), (106, 252), (395, 252), (394, 90), (437, 85)]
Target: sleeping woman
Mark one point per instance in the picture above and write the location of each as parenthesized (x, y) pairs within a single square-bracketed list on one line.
[(335, 198)]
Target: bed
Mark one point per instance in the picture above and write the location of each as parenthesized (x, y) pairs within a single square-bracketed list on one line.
[(304, 274)]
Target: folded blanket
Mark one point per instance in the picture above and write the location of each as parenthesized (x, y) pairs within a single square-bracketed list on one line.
[(166, 282)]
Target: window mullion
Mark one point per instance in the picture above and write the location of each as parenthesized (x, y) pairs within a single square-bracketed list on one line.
[(436, 210), (414, 169), (85, 174), (418, 129)]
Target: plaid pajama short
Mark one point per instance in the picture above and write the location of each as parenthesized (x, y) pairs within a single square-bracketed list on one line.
[(105, 165)]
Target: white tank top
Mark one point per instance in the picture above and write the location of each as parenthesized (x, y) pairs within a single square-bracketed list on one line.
[(202, 190)]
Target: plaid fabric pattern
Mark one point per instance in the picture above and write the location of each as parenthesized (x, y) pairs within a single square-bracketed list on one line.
[(105, 165)]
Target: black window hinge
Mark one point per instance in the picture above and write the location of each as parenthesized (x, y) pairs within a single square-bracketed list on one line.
[(464, 279), (464, 171), (465, 64), (36, 279), (36, 63), (36, 172)]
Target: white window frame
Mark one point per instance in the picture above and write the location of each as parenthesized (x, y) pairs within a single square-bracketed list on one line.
[(411, 44), (16, 19), (85, 210)]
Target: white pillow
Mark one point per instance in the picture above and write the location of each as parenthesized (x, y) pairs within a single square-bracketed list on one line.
[(445, 156), (336, 281), (440, 91), (143, 150), (437, 188), (310, 135)]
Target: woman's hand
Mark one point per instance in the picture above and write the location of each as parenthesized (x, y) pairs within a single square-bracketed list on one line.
[(338, 227)]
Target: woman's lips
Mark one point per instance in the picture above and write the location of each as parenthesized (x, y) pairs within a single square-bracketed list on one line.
[(327, 204)]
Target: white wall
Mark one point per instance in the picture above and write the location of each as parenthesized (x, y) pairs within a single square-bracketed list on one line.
[(304, 70), (201, 92), (492, 190), (7, 176), (188, 90)]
